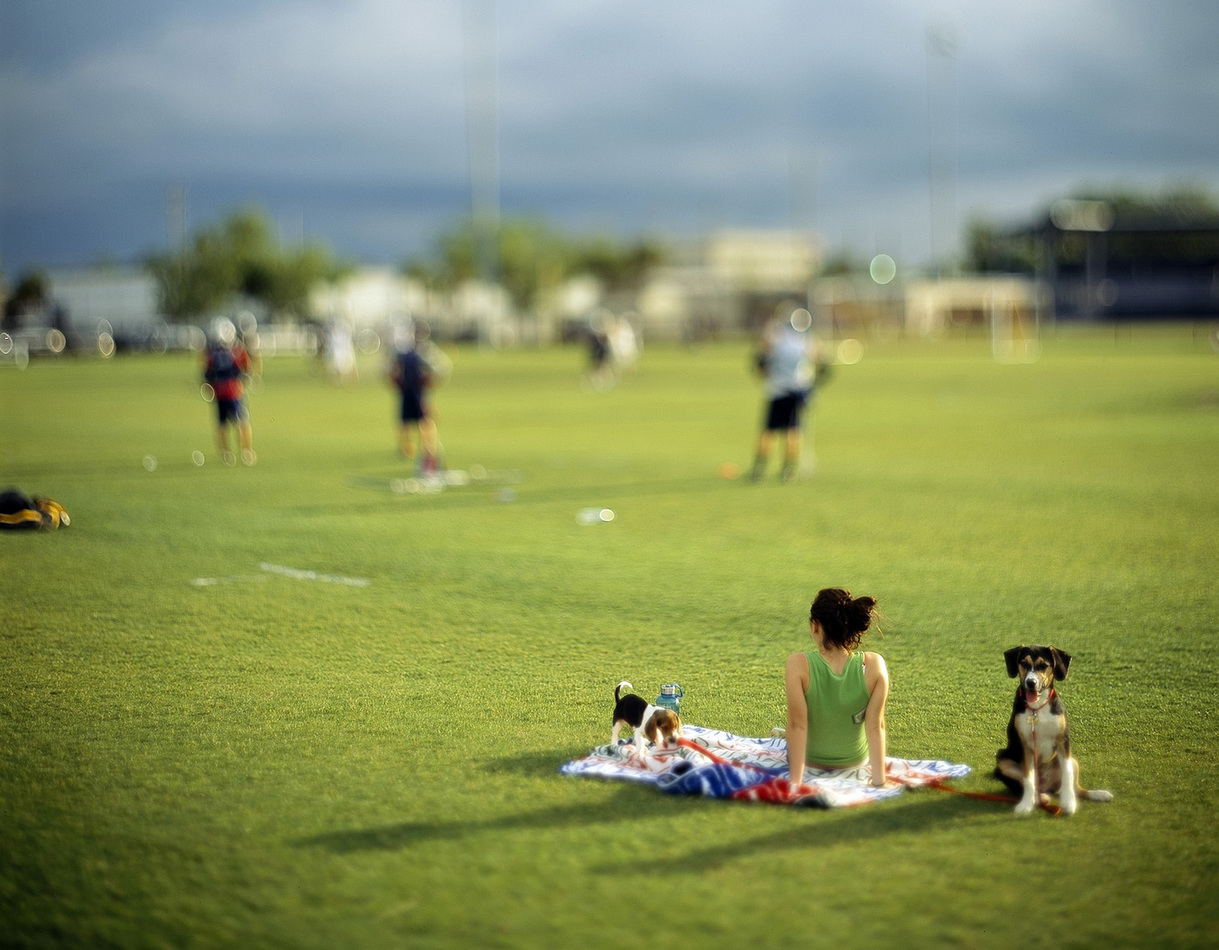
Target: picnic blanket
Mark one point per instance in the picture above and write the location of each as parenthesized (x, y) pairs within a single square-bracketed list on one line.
[(722, 765)]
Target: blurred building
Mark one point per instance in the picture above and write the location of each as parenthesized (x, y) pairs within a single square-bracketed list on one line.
[(727, 284), (932, 307), (98, 308), (377, 297), (368, 296), (1103, 264)]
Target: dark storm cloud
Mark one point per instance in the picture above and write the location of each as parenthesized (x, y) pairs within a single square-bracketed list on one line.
[(347, 121)]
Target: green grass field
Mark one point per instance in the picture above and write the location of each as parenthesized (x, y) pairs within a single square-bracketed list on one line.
[(271, 760)]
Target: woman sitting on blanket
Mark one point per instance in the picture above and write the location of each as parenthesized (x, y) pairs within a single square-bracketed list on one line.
[(835, 695)]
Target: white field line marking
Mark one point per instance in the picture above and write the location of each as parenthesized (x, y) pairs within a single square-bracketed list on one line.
[(235, 579), (312, 575)]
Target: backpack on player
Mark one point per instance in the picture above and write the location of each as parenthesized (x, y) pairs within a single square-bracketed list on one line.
[(221, 364)]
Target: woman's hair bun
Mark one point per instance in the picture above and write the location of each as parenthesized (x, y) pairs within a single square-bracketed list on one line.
[(842, 617), (859, 613)]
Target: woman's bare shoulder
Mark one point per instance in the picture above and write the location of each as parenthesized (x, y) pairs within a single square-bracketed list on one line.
[(874, 663)]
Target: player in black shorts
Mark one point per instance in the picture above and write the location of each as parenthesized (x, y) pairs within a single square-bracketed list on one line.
[(414, 376), (787, 361)]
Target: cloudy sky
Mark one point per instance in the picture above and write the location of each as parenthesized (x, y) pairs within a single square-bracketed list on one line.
[(346, 120)]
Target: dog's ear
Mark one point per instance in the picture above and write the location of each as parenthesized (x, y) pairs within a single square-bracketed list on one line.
[(1062, 663), (1012, 657)]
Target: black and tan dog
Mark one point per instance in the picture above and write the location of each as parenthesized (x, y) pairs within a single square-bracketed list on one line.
[(1037, 762), (653, 724)]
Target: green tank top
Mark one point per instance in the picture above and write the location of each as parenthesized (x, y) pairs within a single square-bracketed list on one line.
[(836, 707)]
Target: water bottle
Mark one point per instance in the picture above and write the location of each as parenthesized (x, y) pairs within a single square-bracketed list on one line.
[(670, 697)]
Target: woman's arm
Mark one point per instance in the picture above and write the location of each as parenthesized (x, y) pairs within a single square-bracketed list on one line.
[(795, 680), (874, 716)]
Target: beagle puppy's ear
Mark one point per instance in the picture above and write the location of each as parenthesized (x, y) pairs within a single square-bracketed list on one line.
[(1012, 657), (1062, 662)]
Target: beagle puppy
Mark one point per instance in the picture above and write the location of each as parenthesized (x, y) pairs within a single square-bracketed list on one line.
[(653, 724)]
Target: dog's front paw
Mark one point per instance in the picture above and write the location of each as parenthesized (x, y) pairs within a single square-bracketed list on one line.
[(1100, 795), (1025, 806)]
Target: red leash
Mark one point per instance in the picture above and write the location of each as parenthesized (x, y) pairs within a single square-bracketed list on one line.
[(978, 795), (1052, 809), (721, 761)]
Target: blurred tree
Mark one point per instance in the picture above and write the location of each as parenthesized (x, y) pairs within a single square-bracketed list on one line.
[(240, 256), (617, 266), (1181, 203), (29, 296), (531, 255), (988, 250), (288, 283), (843, 262)]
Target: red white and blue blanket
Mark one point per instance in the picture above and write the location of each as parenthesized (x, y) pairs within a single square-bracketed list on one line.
[(720, 765)]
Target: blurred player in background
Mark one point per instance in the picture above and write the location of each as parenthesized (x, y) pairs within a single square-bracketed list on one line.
[(787, 359), (418, 366), (341, 352), (226, 364), (613, 349)]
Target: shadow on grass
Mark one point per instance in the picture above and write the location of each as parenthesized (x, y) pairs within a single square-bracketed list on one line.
[(632, 803), (536, 764), (849, 826), (624, 807)]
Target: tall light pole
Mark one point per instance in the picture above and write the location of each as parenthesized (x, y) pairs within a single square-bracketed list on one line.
[(942, 134), (482, 129)]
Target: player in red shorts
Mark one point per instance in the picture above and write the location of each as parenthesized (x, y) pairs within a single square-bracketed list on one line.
[(226, 363)]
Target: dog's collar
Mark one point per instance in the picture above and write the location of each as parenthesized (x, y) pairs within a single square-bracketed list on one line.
[(1033, 708)]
